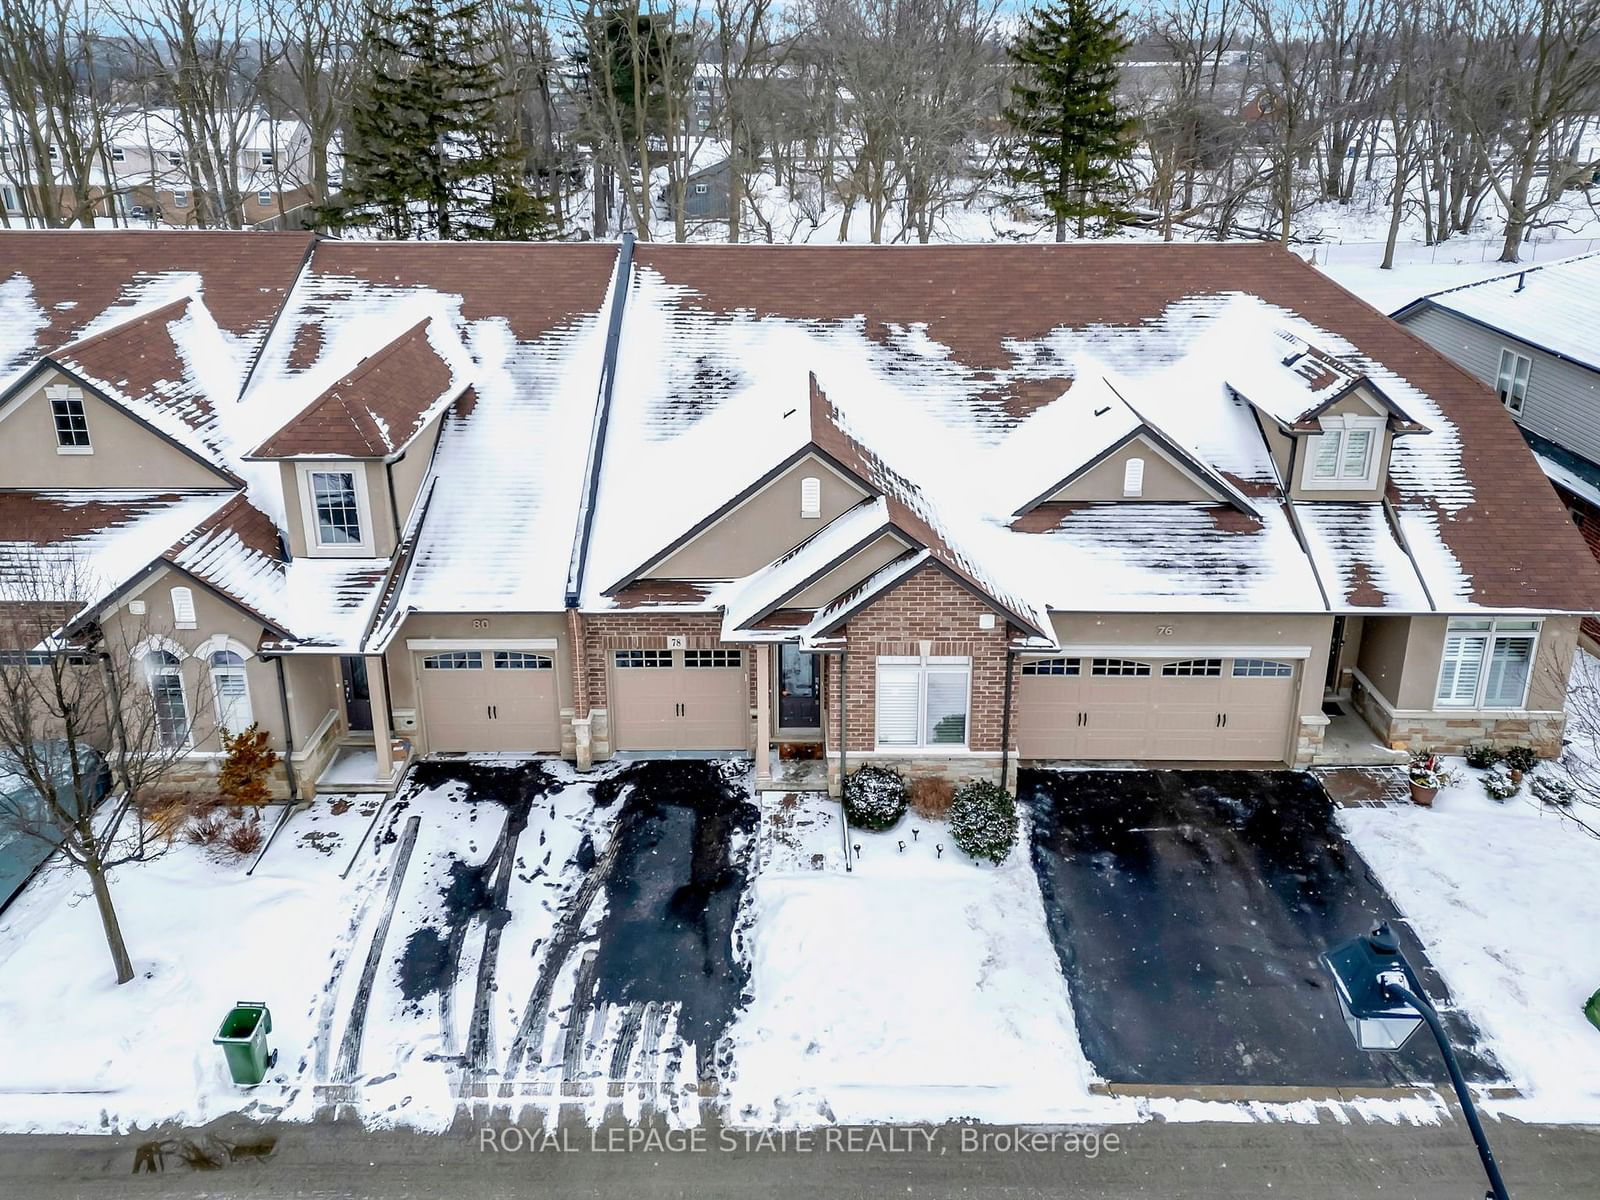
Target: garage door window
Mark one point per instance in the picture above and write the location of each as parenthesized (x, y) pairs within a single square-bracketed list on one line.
[(922, 702), (455, 660), (643, 659), (1118, 666), (1261, 668), (1051, 666), (516, 660), (705, 659), (1191, 668)]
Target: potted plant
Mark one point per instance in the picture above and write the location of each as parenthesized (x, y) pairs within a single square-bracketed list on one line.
[(1428, 775)]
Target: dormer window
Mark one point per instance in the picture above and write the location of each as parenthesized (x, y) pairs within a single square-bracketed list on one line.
[(334, 501), (1345, 454)]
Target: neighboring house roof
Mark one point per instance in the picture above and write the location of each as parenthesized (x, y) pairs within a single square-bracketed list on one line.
[(376, 409), (1553, 306), (1566, 469)]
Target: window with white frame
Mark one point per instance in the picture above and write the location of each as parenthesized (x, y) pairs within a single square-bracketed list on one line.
[(707, 659), (1487, 663), (71, 421), (454, 660), (1051, 666), (174, 159), (516, 660), (922, 702), (1261, 668), (118, 154), (1512, 380), (180, 199), (642, 660), (171, 708), (1193, 668), (232, 690), (266, 158), (1345, 454), (701, 189), (336, 508), (264, 199)]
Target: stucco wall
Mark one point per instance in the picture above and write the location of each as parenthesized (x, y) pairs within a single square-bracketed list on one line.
[(1162, 479), (849, 573), (760, 529), (126, 455)]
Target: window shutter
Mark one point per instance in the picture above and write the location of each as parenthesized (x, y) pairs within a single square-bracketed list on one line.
[(1325, 448), (1357, 451), (897, 705), (183, 607), (1462, 668), (1133, 477), (1509, 668)]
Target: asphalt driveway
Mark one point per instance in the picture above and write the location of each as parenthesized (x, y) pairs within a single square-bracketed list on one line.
[(1188, 909)]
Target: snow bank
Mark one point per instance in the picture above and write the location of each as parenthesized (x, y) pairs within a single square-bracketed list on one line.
[(917, 988)]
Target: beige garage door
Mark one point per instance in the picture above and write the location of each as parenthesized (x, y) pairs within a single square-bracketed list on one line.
[(679, 700), (489, 700), (1196, 709)]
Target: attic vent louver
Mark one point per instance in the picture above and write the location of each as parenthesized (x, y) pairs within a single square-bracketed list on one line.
[(1133, 477), (811, 497)]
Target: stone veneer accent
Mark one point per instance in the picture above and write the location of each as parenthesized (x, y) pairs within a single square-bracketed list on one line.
[(1452, 734)]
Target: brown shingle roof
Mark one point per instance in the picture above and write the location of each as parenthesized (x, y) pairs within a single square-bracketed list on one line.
[(1511, 538), (376, 409)]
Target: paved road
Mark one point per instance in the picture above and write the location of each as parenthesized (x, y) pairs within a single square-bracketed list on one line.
[(1215, 1162), (1199, 901)]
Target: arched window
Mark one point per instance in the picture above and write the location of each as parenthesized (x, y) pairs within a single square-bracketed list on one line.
[(166, 687), (232, 690)]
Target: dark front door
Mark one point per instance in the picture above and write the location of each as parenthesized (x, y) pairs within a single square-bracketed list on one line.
[(799, 690), (357, 696)]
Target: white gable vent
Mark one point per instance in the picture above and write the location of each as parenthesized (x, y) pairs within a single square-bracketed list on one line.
[(183, 608), (1133, 477), (811, 496)]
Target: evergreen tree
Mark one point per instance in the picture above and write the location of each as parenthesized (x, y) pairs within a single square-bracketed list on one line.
[(424, 155), (1068, 133)]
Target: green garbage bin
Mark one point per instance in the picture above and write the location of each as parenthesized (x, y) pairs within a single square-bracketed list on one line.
[(1592, 1010), (243, 1038)]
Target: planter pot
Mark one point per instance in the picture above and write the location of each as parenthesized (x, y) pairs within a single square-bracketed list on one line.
[(1516, 776), (1423, 794)]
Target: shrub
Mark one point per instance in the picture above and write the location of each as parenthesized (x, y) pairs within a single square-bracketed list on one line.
[(243, 779), (1520, 758), (244, 838), (1482, 756), (1498, 785), (983, 821), (207, 828), (931, 796), (1553, 790), (874, 798)]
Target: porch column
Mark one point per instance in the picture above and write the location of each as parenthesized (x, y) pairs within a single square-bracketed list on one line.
[(763, 715), (382, 732)]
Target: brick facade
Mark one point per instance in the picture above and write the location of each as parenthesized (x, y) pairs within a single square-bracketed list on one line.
[(927, 613), (1587, 518)]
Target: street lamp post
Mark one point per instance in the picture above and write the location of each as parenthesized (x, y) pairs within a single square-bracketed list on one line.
[(1383, 1004)]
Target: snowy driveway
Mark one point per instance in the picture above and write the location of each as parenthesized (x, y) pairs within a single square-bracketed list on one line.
[(1188, 909), (544, 938)]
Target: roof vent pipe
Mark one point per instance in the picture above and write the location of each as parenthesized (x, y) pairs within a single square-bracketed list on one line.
[(1522, 280)]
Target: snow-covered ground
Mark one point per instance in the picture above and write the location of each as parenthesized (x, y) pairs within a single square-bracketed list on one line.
[(921, 986), (77, 1052), (1420, 269), (1502, 894)]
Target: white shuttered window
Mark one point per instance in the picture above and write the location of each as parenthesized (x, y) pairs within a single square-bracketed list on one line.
[(922, 702), (1487, 664)]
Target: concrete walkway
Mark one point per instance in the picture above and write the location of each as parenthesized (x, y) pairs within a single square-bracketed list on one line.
[(1325, 1161)]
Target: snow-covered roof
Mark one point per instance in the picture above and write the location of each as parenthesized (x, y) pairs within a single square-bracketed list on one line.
[(1554, 306), (79, 546), (1360, 561)]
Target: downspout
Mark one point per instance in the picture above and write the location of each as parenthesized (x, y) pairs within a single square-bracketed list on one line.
[(844, 750), (394, 499), (1005, 718)]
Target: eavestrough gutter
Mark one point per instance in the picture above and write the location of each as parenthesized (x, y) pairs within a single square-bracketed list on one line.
[(602, 418)]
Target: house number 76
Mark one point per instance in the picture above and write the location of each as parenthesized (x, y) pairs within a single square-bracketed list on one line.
[(1163, 630)]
